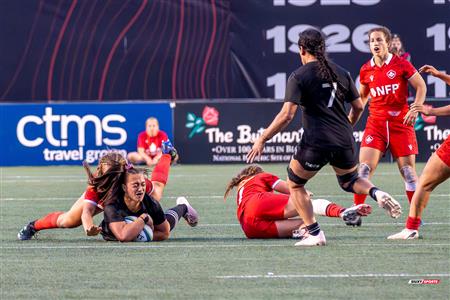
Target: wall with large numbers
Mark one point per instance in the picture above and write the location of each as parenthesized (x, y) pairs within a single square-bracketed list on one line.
[(271, 32), (184, 49)]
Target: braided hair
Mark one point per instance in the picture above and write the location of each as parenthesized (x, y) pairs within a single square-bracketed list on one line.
[(245, 173), (313, 41)]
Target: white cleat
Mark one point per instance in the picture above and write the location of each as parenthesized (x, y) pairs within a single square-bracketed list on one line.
[(388, 203), (191, 215), (405, 234), (312, 240), (352, 215)]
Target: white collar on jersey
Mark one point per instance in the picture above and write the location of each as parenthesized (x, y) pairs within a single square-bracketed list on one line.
[(388, 60)]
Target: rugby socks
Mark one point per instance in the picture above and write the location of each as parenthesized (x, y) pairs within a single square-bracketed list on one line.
[(410, 195), (323, 207), (413, 223), (48, 222), (174, 214), (161, 171), (359, 198), (372, 193), (313, 229)]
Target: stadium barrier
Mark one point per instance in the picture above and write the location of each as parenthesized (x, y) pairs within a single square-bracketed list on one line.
[(204, 132), (67, 134)]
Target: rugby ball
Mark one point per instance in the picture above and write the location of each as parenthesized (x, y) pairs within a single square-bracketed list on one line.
[(146, 235)]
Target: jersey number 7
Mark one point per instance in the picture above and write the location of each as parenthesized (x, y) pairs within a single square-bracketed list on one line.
[(333, 92)]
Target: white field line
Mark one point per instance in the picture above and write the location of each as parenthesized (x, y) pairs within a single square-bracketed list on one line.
[(349, 196), (76, 178), (339, 275), (209, 246), (336, 224), (172, 175)]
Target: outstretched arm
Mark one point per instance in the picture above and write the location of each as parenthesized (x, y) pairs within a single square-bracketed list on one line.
[(282, 119), (87, 219), (432, 70), (431, 111)]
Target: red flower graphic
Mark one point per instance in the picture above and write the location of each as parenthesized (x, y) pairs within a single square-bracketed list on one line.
[(211, 116)]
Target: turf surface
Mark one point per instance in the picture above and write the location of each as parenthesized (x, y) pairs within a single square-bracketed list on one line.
[(214, 260)]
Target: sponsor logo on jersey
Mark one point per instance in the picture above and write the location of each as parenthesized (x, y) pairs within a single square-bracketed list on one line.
[(369, 139), (394, 113), (313, 166), (371, 78), (384, 90), (391, 74)]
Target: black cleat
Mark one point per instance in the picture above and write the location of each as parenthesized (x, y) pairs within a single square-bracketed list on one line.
[(27, 232)]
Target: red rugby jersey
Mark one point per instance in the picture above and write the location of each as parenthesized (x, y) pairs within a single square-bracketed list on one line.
[(388, 86), (260, 183), (152, 145)]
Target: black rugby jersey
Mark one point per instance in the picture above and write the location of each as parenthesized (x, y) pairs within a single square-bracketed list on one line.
[(325, 121), (116, 212)]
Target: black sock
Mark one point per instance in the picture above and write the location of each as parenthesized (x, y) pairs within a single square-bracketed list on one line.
[(174, 214), (372, 192), (313, 229)]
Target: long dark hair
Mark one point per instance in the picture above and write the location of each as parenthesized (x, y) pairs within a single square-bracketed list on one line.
[(243, 174), (313, 41), (107, 184)]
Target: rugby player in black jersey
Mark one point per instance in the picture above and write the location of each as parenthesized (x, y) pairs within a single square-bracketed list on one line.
[(134, 201), (321, 88)]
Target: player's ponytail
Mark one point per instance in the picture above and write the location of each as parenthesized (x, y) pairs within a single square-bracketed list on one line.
[(313, 41), (245, 173)]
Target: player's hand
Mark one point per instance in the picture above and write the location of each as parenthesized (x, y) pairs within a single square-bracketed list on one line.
[(410, 117), (425, 109), (93, 230), (429, 69), (150, 220), (256, 150)]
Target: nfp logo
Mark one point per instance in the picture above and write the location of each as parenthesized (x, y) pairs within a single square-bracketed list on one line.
[(384, 90), (50, 121)]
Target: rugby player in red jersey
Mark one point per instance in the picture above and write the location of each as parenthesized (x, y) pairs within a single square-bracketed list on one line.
[(384, 78), (149, 144), (111, 167), (265, 214), (436, 171)]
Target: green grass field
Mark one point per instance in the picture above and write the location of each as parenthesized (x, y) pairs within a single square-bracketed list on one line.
[(214, 260)]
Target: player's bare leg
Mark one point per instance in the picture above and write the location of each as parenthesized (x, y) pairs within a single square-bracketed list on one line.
[(302, 202), (135, 158), (407, 168), (434, 173), (364, 186), (285, 228), (368, 162)]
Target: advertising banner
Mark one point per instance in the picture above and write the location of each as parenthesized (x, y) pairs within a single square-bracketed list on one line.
[(67, 134), (223, 132)]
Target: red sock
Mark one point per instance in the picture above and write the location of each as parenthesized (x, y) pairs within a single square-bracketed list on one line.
[(413, 223), (359, 199), (334, 210), (410, 195), (161, 171), (48, 222)]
